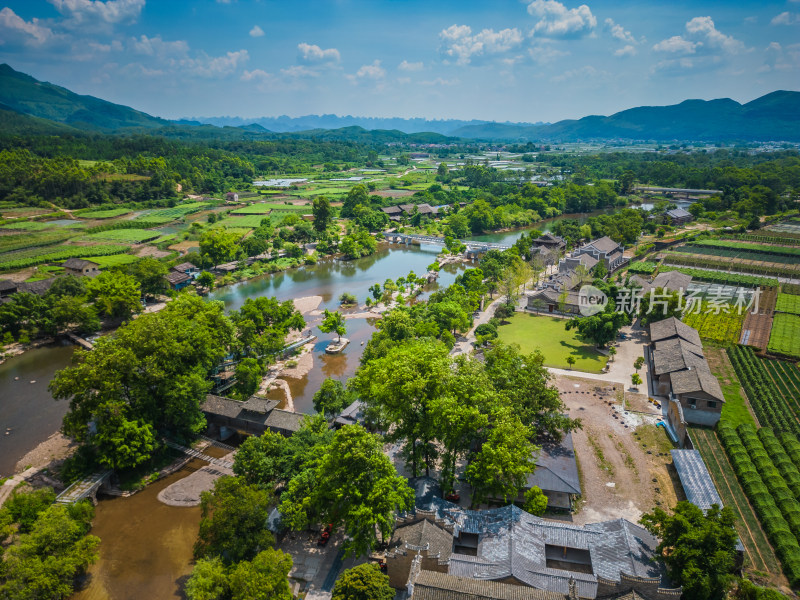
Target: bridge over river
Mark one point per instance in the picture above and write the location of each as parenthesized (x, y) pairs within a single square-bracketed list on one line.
[(473, 247)]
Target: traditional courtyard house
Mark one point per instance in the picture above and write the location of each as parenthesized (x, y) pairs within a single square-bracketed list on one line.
[(187, 268), (393, 212), (679, 216), (680, 372), (606, 250), (253, 416), (554, 301), (551, 242), (510, 546), (556, 474), (81, 267), (673, 281)]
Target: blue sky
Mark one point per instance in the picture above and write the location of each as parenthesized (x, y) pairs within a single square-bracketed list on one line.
[(532, 60)]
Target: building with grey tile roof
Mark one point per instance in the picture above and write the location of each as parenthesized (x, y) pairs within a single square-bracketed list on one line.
[(677, 354), (672, 327), (679, 216), (674, 281), (510, 545), (284, 421), (253, 416), (556, 473), (606, 250), (430, 585)]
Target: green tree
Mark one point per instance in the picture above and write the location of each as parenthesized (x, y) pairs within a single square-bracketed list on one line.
[(206, 279), (364, 582), (333, 322), (636, 380), (209, 580), (660, 304), (263, 578), (612, 352), (233, 522), (355, 486), (331, 398), (638, 363), (218, 245), (115, 294), (248, 377), (150, 274), (600, 328), (571, 361), (23, 508), (699, 548), (156, 366), (504, 461), (535, 501), (263, 324), (323, 214), (122, 442)]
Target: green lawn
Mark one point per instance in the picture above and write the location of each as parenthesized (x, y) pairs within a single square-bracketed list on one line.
[(555, 342)]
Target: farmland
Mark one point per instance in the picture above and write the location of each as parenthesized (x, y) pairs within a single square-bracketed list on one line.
[(102, 214), (37, 256), (725, 327), (165, 215), (251, 221), (788, 303), (742, 265), (113, 260), (27, 226), (724, 278), (131, 236), (785, 335), (643, 267)]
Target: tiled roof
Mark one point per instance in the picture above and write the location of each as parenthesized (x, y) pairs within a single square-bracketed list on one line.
[(696, 380), (677, 354), (671, 280), (426, 534), (6, 285), (175, 278), (556, 468), (392, 210), (39, 288), (78, 263), (430, 585), (184, 267), (679, 213), (603, 244), (672, 327), (284, 420), (254, 410)]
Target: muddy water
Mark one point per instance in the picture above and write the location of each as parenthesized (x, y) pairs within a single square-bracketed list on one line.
[(145, 546), (28, 413)]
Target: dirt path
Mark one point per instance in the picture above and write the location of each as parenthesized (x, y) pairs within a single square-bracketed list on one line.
[(624, 459)]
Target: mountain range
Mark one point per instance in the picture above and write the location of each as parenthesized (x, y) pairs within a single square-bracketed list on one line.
[(29, 106)]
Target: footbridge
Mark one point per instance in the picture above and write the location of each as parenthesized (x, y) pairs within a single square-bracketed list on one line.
[(473, 247), (218, 462), (84, 488)]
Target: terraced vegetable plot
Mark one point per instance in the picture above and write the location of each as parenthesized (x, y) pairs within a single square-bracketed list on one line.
[(115, 260), (27, 226), (723, 277), (252, 209), (103, 214), (734, 253), (758, 553), (787, 379), (769, 404), (132, 236), (741, 265), (644, 267), (785, 335), (165, 215), (722, 327), (788, 303), (37, 256), (252, 221)]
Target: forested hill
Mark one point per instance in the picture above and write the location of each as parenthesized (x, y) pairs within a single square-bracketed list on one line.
[(774, 117), (24, 94)]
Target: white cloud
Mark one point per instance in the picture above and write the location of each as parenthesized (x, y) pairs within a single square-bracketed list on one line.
[(556, 20), (619, 32), (676, 65), (32, 32), (112, 11), (627, 50), (410, 66), (373, 71), (311, 53), (714, 37), (258, 75), (786, 18), (459, 43), (677, 44), (155, 46), (256, 31)]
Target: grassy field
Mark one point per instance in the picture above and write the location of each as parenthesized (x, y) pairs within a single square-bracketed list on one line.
[(103, 214), (548, 335), (165, 215), (259, 208), (251, 221), (114, 260), (27, 226), (784, 338), (131, 236), (735, 410)]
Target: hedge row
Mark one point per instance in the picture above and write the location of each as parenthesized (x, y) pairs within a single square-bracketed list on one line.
[(777, 529), (781, 460)]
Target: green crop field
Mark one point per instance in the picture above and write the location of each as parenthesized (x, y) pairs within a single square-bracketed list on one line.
[(555, 342), (114, 260), (37, 256), (131, 236), (784, 338), (788, 303), (103, 214), (251, 221), (27, 226), (723, 327), (165, 215)]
